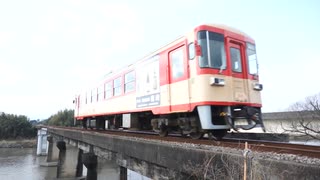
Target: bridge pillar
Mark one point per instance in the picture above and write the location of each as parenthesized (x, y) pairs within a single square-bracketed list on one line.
[(42, 142), (61, 145), (90, 160), (79, 169), (123, 173), (50, 148)]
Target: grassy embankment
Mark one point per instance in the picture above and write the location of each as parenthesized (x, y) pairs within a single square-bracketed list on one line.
[(18, 143)]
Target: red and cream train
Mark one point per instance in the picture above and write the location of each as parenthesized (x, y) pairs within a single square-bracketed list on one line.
[(204, 82)]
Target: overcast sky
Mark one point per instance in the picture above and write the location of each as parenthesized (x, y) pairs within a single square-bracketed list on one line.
[(50, 50)]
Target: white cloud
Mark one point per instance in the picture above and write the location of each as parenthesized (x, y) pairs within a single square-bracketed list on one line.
[(6, 38), (291, 80), (39, 40), (10, 74), (39, 106), (76, 42)]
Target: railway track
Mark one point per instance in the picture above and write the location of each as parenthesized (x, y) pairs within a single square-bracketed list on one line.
[(277, 147), (253, 145)]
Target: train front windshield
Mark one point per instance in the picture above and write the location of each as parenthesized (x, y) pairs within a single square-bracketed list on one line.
[(213, 51)]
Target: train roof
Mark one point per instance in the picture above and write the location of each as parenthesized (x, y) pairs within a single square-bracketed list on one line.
[(179, 39), (229, 28)]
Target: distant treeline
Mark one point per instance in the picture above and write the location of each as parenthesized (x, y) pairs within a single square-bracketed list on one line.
[(19, 126), (61, 118), (16, 126)]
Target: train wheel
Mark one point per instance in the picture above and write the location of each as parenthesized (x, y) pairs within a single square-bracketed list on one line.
[(163, 131), (210, 136), (196, 135), (84, 124), (182, 134), (218, 134)]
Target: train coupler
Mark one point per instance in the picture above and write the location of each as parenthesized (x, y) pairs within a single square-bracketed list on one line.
[(245, 118)]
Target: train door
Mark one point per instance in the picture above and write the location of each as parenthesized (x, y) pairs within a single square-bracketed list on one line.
[(236, 53), (179, 96), (77, 106)]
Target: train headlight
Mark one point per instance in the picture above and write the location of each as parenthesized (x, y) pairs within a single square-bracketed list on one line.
[(217, 81), (257, 86)]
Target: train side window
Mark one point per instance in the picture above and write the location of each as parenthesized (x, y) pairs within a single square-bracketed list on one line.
[(252, 59), (108, 90), (177, 67), (235, 59), (81, 100), (100, 93), (191, 51), (94, 95), (117, 86), (129, 80), (91, 96)]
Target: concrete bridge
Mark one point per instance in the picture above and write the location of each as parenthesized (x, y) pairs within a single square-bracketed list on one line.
[(170, 160)]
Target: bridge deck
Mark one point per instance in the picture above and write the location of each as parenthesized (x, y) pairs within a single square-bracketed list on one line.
[(152, 157)]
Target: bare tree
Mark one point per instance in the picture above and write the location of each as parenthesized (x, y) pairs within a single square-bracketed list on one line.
[(307, 114), (216, 167)]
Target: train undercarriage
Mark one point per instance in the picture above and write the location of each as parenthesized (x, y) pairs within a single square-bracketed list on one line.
[(193, 124)]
